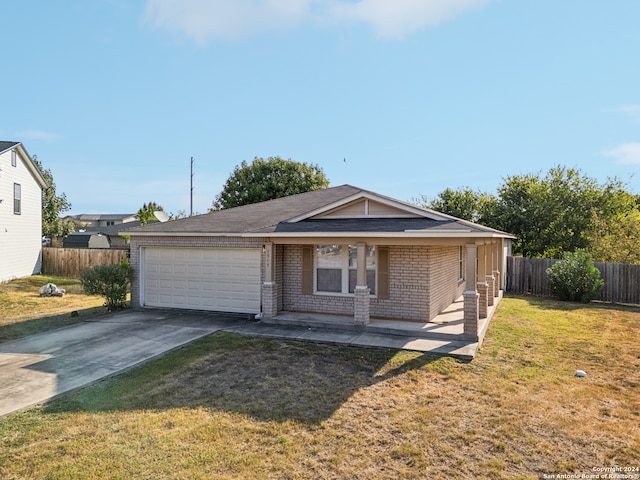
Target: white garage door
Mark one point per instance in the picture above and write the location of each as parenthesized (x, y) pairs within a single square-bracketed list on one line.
[(218, 279)]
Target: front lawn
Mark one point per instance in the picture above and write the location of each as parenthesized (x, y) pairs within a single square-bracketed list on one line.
[(233, 407), (24, 312)]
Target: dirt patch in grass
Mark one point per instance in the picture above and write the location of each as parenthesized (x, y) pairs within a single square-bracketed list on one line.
[(24, 312), (239, 407)]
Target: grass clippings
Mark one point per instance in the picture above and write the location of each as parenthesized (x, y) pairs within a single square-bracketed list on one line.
[(229, 407)]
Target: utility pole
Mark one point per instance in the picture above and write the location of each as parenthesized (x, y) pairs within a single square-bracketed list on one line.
[(191, 211)]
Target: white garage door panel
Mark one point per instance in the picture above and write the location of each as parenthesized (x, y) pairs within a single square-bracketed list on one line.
[(220, 279)]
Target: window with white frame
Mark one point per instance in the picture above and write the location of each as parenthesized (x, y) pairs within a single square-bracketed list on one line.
[(336, 268), (14, 158), (17, 198), (460, 263)]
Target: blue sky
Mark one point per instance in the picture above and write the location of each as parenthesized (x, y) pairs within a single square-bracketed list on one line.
[(115, 96)]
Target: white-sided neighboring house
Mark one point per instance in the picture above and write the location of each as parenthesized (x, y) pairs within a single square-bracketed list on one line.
[(21, 185), (111, 224), (100, 220)]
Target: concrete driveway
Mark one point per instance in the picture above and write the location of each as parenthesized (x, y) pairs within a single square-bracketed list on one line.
[(40, 367)]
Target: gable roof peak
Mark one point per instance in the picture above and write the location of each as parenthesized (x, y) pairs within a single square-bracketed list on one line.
[(4, 145), (26, 158)]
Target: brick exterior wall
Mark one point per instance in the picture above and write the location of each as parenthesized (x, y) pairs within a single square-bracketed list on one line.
[(137, 242), (445, 286), (292, 298), (423, 281), (408, 285)]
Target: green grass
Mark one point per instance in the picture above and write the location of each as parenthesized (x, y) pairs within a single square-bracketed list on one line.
[(240, 407), (23, 312)]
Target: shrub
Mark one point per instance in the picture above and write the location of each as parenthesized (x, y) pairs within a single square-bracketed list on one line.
[(575, 278), (110, 281)]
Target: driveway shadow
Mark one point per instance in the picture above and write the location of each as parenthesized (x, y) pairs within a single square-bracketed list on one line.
[(45, 323), (267, 379)]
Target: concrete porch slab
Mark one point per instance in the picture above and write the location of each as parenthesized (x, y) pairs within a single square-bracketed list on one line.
[(442, 336)]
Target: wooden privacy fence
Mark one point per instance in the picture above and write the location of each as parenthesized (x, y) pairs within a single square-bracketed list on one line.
[(529, 275), (70, 262)]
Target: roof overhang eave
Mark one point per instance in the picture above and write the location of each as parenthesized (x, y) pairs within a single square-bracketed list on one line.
[(132, 233), (406, 234)]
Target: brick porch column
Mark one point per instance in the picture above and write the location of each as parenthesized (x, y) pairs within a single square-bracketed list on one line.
[(491, 282), (482, 286), (470, 295), (269, 299), (483, 300), (498, 286), (491, 285), (269, 288), (471, 316), (361, 293), (361, 305)]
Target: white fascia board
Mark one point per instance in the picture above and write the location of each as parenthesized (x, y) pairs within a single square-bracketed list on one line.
[(186, 234), (406, 234), (349, 217), (35, 172)]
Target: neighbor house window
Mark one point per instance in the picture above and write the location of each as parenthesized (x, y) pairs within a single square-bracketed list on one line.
[(336, 268), (14, 158), (460, 263), (17, 195)]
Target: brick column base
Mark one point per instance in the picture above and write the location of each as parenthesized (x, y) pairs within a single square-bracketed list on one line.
[(483, 302), (361, 306), (491, 284), (496, 289), (269, 299), (471, 298)]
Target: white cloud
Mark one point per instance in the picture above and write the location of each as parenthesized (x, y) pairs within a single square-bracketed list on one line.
[(397, 18), (632, 110), (206, 19), (626, 153), (22, 135)]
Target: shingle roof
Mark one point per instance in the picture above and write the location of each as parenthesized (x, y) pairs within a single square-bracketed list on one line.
[(257, 217), (372, 225), (114, 229), (7, 145), (274, 217), (92, 217)]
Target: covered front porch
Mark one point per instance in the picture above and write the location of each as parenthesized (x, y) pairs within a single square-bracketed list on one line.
[(444, 335), (475, 282)]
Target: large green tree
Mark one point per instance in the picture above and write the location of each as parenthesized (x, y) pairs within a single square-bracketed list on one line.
[(615, 239), (268, 179), (464, 203), (561, 211), (554, 213), (52, 206)]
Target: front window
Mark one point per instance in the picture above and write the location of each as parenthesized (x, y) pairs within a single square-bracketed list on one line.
[(337, 266), (329, 268)]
